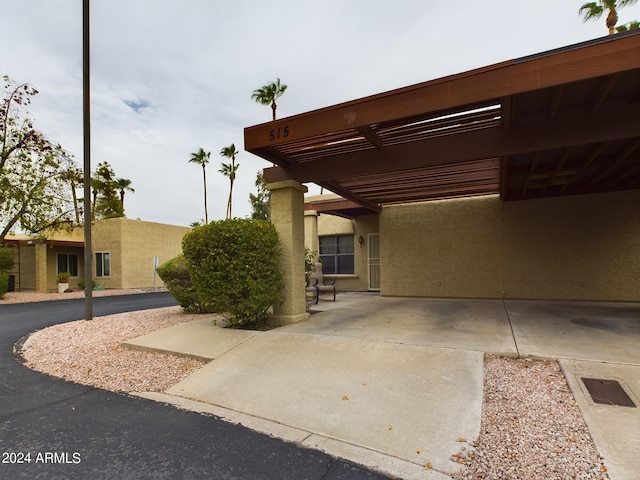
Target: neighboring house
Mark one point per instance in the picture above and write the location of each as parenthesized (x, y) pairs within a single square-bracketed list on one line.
[(125, 253)]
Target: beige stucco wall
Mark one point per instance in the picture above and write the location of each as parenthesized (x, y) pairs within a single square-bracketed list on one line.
[(133, 244), (446, 248), (25, 270), (577, 248), (573, 248)]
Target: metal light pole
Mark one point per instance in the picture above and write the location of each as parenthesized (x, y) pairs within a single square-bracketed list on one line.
[(86, 130)]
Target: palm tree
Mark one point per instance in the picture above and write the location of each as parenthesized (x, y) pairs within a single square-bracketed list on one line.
[(75, 178), (594, 10), (229, 170), (268, 94), (123, 184), (202, 158)]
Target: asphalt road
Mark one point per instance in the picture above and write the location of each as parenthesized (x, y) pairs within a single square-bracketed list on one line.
[(52, 429)]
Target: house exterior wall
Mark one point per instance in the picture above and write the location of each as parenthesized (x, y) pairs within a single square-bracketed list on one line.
[(133, 244), (449, 248), (25, 270), (571, 248), (334, 225), (52, 265)]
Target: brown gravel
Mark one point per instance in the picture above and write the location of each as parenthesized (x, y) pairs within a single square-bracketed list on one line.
[(89, 352), (531, 427)]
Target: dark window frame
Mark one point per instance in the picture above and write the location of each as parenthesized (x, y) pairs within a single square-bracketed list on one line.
[(337, 253), (69, 264), (103, 268)]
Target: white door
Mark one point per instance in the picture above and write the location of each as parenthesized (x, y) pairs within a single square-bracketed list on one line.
[(373, 253)]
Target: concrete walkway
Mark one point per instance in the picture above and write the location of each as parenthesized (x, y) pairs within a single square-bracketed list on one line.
[(396, 383)]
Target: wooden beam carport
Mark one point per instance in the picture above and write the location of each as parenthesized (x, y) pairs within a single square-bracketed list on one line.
[(558, 123)]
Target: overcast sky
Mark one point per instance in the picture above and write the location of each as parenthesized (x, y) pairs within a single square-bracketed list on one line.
[(171, 76)]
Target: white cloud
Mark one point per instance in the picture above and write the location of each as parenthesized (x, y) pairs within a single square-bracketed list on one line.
[(192, 65)]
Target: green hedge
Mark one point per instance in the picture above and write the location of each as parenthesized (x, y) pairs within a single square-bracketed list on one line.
[(6, 259), (234, 267), (4, 283), (175, 275)]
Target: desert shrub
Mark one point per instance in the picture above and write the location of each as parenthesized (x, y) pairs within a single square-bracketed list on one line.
[(175, 275), (6, 259), (4, 283), (234, 266), (81, 284)]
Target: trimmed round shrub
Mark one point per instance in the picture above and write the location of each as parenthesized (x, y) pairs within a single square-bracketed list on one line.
[(234, 267), (175, 275)]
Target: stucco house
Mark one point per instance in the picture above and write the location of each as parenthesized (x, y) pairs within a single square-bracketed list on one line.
[(125, 253), (518, 180)]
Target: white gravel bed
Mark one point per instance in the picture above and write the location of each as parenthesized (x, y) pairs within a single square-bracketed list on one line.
[(26, 297), (531, 427), (89, 352)]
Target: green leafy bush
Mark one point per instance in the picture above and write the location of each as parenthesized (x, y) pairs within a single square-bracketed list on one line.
[(175, 275), (234, 266), (4, 283), (6, 259), (81, 284)]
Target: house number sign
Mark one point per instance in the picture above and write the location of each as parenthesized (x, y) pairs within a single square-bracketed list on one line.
[(278, 133)]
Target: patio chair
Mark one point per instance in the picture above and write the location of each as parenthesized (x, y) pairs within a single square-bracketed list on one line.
[(319, 285)]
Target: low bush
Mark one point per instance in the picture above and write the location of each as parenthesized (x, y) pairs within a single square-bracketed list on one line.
[(6, 259), (81, 284), (234, 267), (175, 275), (4, 283)]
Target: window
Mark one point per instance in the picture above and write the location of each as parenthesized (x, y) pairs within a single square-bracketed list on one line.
[(103, 264), (336, 253), (68, 262)]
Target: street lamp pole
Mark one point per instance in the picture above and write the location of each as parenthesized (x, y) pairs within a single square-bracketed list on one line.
[(86, 130)]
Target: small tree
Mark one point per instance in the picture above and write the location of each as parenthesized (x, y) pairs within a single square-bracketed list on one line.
[(6, 265), (123, 185), (261, 201), (34, 193), (234, 267), (107, 203)]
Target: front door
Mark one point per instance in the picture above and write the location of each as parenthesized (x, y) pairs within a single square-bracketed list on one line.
[(373, 253)]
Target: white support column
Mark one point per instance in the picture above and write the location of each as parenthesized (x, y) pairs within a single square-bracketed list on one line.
[(287, 214)]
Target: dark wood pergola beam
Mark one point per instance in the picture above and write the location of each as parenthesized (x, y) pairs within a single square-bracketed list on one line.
[(590, 60), (579, 129)]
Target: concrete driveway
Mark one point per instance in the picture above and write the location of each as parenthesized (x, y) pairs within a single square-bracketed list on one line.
[(394, 383)]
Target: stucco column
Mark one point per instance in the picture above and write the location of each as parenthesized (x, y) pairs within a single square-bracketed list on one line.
[(311, 230), (287, 214), (41, 267)]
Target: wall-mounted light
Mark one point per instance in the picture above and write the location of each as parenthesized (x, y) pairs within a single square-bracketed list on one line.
[(360, 239)]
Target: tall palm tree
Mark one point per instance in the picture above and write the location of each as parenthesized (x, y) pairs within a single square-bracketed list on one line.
[(202, 158), (595, 10), (229, 170), (268, 94), (123, 184)]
